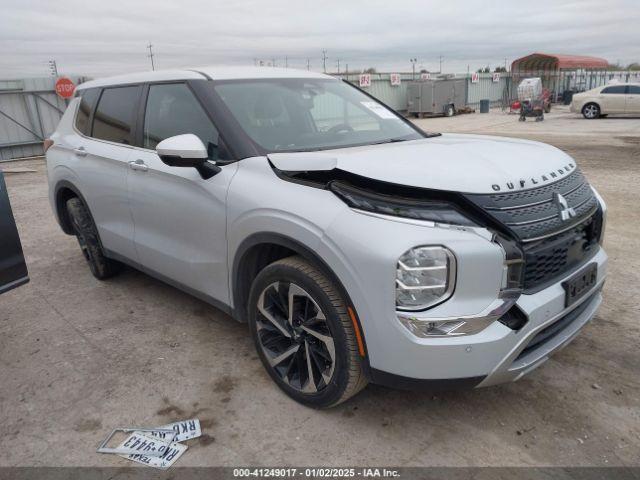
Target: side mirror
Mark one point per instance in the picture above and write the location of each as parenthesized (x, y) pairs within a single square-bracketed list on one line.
[(186, 151)]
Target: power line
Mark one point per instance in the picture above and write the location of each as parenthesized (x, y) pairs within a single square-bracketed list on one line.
[(150, 47)]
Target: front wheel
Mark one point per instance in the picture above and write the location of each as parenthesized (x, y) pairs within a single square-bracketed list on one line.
[(591, 111), (304, 334)]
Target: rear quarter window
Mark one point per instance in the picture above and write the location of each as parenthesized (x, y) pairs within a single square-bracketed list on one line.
[(87, 102), (114, 116)]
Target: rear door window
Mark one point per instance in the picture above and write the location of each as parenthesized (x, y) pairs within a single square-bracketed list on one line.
[(115, 113), (172, 110), (634, 90), (87, 101)]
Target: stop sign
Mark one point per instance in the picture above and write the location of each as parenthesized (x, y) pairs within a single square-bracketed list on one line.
[(65, 87)]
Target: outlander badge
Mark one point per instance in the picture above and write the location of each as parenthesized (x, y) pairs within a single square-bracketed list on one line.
[(564, 210)]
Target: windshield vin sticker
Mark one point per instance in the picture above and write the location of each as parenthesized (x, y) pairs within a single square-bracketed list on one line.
[(379, 110)]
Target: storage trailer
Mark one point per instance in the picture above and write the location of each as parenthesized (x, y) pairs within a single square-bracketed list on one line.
[(436, 97)]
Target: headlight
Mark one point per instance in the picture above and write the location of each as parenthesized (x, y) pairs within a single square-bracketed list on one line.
[(425, 276), (418, 209)]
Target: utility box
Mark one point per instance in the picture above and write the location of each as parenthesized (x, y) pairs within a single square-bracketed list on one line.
[(436, 97)]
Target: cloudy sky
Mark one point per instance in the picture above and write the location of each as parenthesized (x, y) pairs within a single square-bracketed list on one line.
[(109, 37)]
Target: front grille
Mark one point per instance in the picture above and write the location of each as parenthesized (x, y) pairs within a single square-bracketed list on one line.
[(534, 213), (551, 246), (546, 259)]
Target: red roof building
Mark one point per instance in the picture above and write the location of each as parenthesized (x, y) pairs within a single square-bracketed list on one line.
[(551, 62)]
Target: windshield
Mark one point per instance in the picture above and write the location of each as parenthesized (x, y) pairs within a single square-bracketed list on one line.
[(310, 114)]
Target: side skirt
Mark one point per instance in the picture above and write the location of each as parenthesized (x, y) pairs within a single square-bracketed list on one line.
[(180, 286)]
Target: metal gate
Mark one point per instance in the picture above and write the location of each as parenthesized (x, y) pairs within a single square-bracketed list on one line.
[(29, 112)]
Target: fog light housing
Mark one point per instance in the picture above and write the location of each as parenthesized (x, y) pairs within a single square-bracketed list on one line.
[(425, 276)]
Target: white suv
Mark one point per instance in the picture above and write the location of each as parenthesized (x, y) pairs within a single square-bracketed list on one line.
[(358, 247)]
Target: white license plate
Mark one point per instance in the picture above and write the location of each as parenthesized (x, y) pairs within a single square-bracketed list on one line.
[(168, 452), (185, 430)]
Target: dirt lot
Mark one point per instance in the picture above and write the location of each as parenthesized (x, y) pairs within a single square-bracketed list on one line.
[(79, 357)]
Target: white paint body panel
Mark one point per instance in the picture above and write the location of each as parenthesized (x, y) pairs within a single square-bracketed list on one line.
[(188, 230)]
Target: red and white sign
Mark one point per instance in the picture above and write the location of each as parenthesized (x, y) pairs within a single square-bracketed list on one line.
[(425, 76), (475, 77), (496, 77), (365, 80), (65, 87), (395, 79)]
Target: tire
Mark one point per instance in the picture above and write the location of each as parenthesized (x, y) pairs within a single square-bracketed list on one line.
[(89, 240), (450, 111), (288, 343), (591, 111)]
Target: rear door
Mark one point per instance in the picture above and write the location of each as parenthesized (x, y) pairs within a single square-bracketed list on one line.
[(612, 99), (633, 99), (13, 270), (180, 218), (101, 163)]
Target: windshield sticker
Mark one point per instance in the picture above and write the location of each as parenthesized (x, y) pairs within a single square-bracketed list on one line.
[(379, 110)]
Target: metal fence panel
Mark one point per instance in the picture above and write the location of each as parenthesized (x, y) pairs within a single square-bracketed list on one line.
[(29, 112)]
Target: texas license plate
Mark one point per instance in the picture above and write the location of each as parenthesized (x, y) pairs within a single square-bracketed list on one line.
[(581, 283)]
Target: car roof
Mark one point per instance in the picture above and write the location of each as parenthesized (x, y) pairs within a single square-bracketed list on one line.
[(203, 73)]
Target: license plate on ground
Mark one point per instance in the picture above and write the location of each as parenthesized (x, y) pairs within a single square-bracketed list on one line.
[(581, 283)]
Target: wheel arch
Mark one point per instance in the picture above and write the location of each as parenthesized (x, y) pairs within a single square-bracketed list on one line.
[(64, 191), (259, 250)]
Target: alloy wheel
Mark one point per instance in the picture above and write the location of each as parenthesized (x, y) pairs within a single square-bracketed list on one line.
[(295, 338), (591, 111)]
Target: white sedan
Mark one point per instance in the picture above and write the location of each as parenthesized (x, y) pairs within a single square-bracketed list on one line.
[(601, 101)]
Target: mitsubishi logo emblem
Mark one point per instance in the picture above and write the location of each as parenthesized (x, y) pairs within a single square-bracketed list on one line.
[(564, 210)]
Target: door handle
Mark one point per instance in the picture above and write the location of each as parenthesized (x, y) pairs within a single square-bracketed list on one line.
[(80, 151), (138, 165)]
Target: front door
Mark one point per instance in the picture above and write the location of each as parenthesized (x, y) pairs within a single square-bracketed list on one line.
[(612, 99), (13, 270), (180, 218)]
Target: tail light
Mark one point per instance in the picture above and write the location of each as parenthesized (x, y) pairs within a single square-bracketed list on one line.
[(47, 144)]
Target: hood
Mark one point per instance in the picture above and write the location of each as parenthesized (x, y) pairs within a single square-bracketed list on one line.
[(451, 162)]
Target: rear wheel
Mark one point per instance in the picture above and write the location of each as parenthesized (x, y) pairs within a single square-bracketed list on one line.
[(304, 335), (89, 240), (591, 111)]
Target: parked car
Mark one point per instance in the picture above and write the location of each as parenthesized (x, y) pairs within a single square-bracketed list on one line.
[(13, 269), (357, 247), (610, 99)]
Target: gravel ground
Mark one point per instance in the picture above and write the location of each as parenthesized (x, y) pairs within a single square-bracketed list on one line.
[(79, 357)]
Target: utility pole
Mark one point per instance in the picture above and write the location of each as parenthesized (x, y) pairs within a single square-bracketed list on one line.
[(338, 64), (286, 62), (505, 64), (53, 68), (150, 47), (273, 62), (324, 61), (308, 64), (413, 67), (440, 58)]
